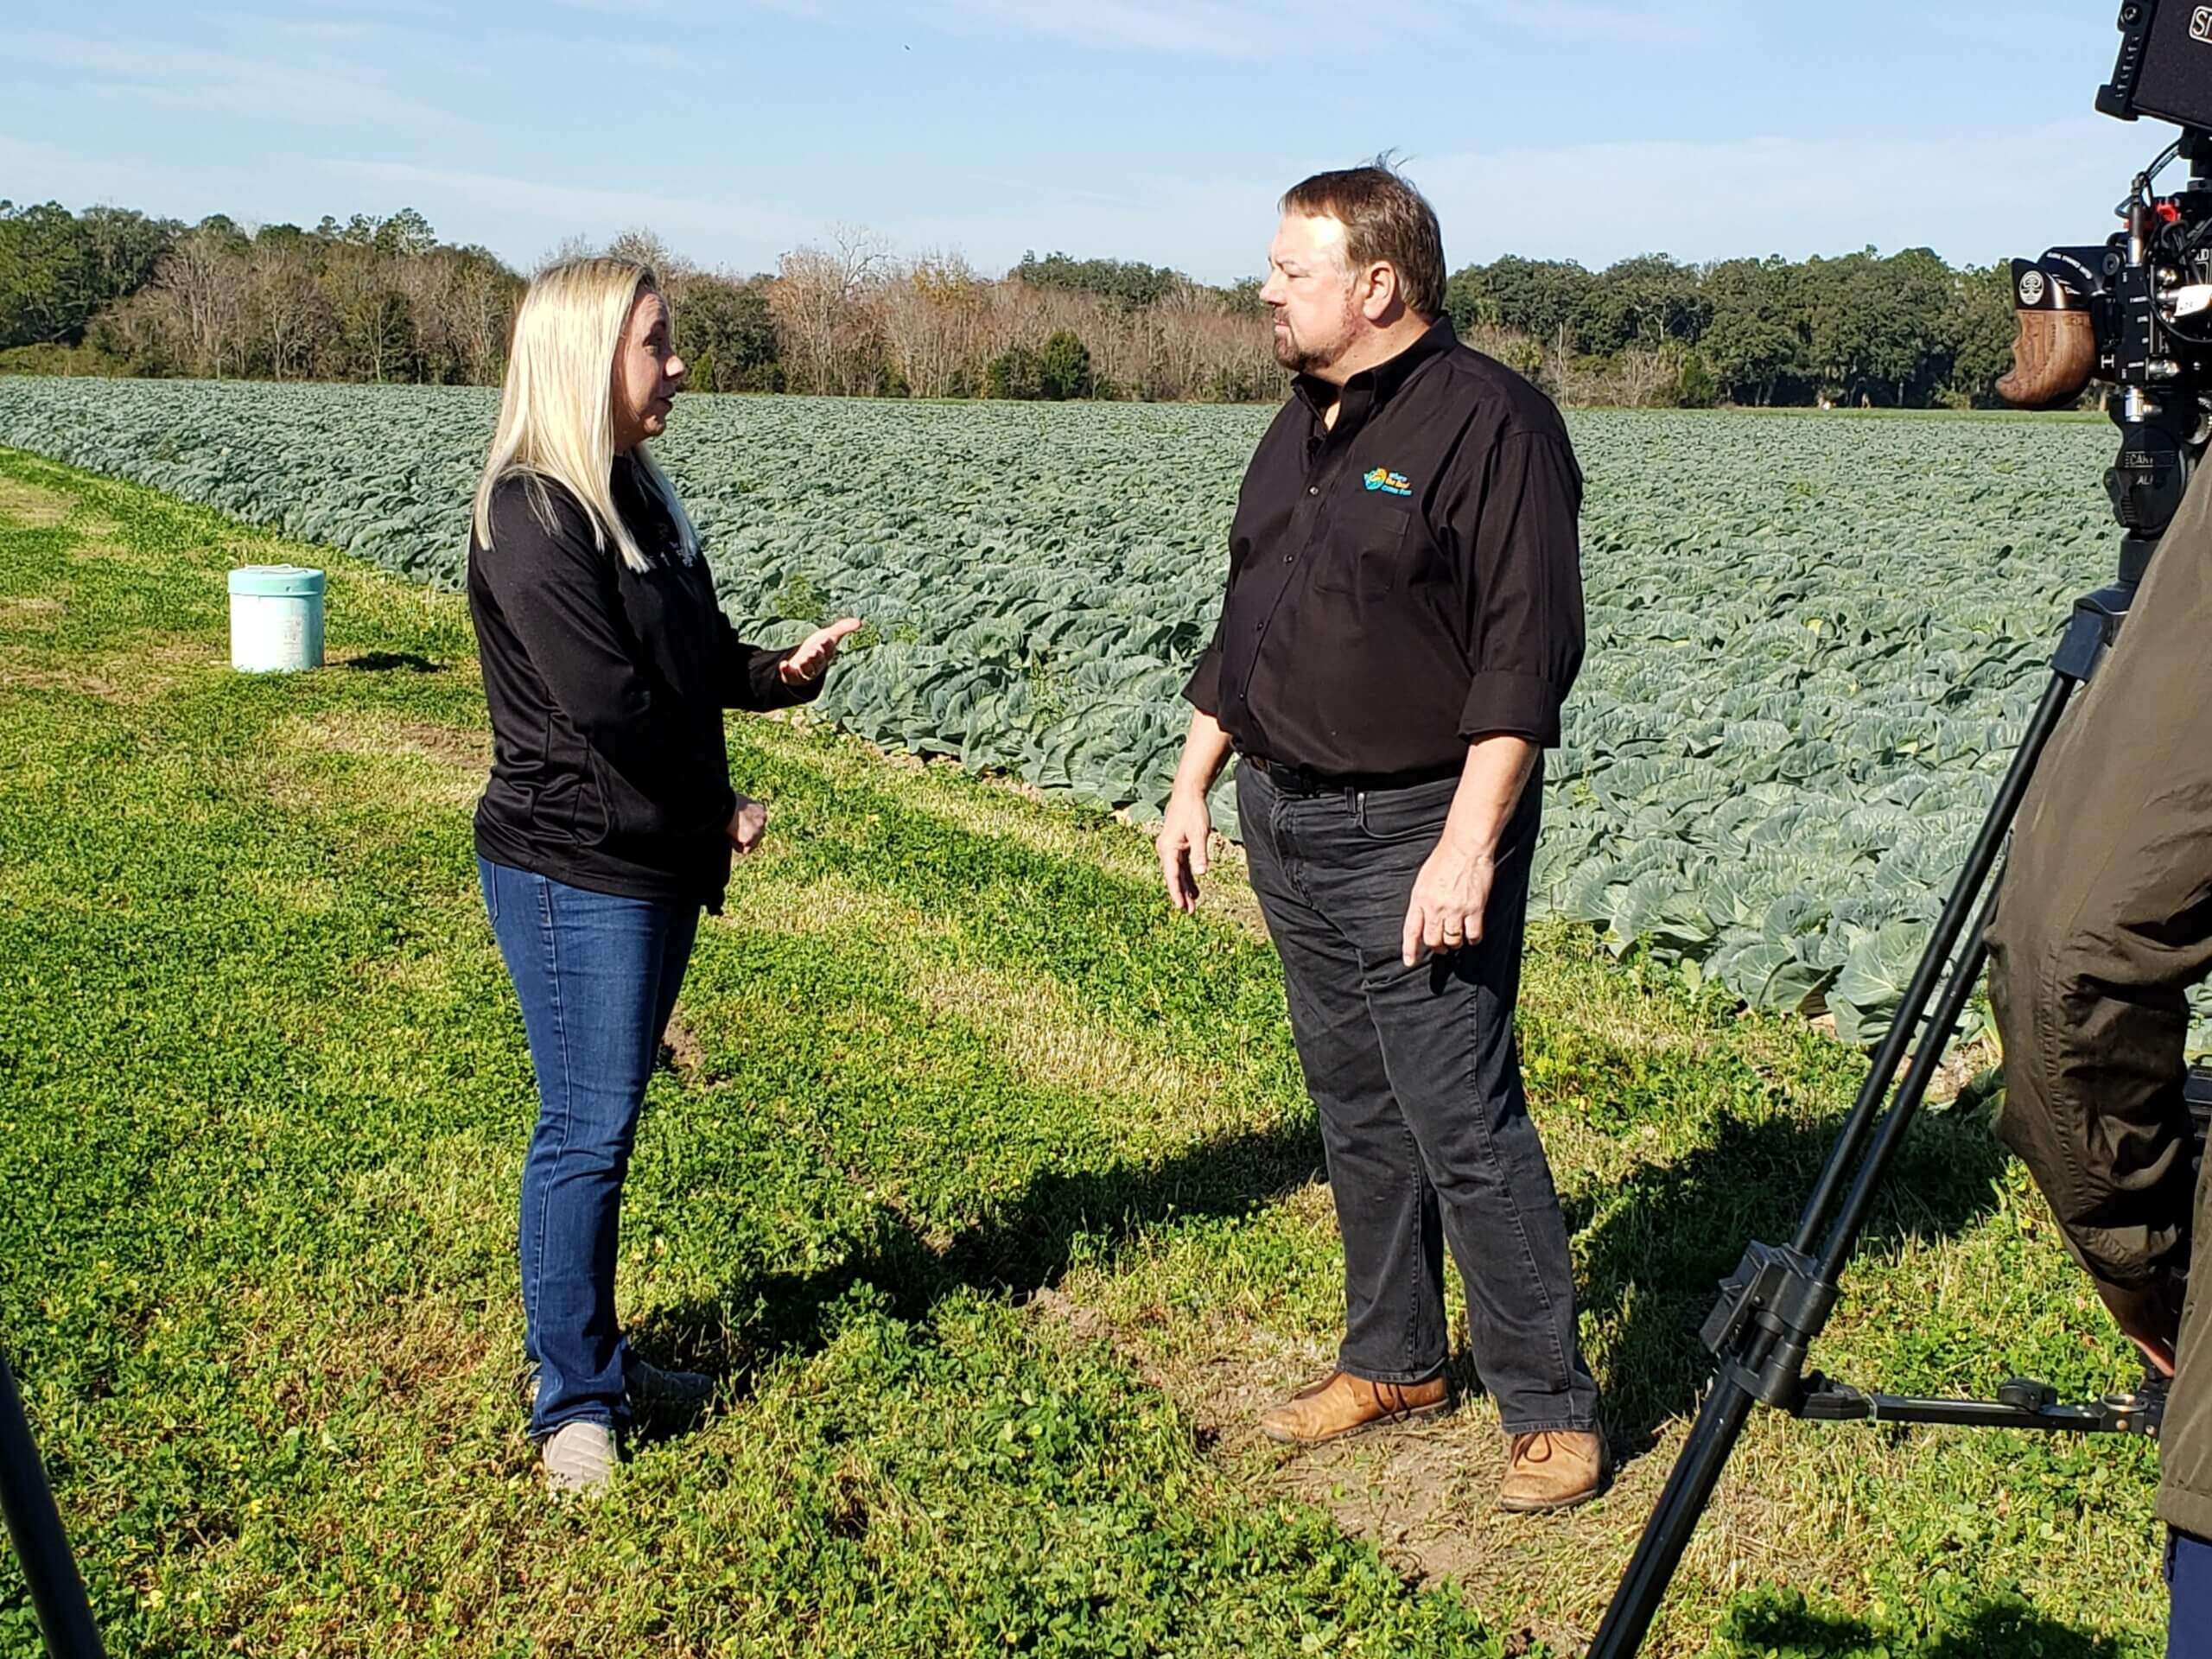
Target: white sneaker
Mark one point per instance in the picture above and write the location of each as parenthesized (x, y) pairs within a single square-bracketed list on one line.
[(578, 1457)]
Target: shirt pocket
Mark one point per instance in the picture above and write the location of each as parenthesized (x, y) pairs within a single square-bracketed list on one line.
[(1369, 552)]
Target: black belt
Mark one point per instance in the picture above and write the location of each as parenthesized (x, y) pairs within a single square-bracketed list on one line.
[(1304, 780)]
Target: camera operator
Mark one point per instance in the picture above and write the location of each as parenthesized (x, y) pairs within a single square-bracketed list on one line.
[(2104, 920)]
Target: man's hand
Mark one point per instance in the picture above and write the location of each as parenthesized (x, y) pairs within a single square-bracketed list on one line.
[(1452, 890), (747, 825), (816, 652), (1450, 895), (1181, 844), (2150, 1316)]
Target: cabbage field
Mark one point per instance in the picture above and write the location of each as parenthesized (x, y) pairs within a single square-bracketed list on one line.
[(1812, 641)]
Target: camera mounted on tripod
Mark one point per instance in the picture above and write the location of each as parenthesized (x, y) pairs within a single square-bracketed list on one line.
[(2135, 312)]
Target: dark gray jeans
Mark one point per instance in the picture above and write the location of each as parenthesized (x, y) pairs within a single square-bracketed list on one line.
[(1417, 1079)]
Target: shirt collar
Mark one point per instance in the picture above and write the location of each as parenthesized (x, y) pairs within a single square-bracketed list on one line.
[(1383, 379)]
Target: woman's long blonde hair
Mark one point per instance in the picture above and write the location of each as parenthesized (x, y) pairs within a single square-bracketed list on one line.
[(556, 417)]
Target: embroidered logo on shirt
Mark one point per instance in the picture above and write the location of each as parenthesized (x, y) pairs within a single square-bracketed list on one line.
[(1392, 483)]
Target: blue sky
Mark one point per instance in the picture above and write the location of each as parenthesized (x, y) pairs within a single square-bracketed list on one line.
[(1155, 129)]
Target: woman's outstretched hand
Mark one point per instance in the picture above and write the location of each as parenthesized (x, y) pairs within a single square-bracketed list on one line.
[(816, 652)]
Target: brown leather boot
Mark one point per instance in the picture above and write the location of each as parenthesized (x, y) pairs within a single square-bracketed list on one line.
[(1341, 1404), (1554, 1469)]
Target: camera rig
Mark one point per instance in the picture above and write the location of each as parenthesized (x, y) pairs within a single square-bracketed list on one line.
[(2134, 314)]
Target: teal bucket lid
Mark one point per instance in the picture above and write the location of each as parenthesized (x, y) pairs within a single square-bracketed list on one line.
[(278, 582)]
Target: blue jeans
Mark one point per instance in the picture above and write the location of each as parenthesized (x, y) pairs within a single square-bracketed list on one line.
[(597, 977), (2189, 1576)]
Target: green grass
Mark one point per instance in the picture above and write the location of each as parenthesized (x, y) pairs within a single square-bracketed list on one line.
[(986, 1184)]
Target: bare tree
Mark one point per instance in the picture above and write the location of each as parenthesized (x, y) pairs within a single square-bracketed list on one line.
[(382, 300), (284, 305), (203, 292), (371, 336), (933, 317), (483, 310), (575, 245), (1638, 374), (820, 301), (645, 245)]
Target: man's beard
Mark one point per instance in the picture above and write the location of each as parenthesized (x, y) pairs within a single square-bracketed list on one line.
[(1300, 358), (1292, 357)]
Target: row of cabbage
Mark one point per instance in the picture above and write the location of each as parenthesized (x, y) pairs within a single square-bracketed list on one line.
[(1812, 641)]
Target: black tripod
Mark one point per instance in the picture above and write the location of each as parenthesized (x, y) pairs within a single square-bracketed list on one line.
[(1778, 1299), (35, 1528)]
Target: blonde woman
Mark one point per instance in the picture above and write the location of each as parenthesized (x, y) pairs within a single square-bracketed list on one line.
[(609, 821)]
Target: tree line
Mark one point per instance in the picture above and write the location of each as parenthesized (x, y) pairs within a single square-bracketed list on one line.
[(1907, 330), (112, 291), (108, 291)]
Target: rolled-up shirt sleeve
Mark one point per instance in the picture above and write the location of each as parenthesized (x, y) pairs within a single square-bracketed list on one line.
[(1512, 535), (1202, 689)]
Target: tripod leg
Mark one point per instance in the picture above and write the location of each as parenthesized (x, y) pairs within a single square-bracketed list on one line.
[(1843, 1238), (1667, 1534), (1721, 1420), (34, 1527), (1855, 1165)]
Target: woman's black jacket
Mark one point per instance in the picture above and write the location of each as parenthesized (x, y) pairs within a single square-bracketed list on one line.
[(606, 688)]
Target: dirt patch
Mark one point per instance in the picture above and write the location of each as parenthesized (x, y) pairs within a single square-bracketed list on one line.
[(1959, 1068), (1424, 1495), (137, 676), (428, 764), (1225, 890), (680, 1049), (446, 744), (27, 506), (14, 677), (429, 1362), (1419, 1494)]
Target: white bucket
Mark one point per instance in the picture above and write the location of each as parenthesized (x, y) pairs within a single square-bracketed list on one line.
[(276, 619)]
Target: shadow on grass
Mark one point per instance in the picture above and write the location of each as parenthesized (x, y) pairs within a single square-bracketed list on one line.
[(1656, 1246), (1026, 1245), (1653, 1252), (1784, 1627), (385, 662)]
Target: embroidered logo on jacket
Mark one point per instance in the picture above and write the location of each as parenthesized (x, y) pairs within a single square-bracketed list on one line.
[(1392, 483)]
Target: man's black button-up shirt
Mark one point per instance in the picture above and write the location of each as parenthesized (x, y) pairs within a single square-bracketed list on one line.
[(1404, 581)]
